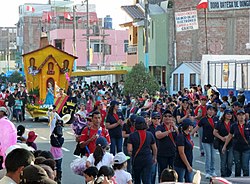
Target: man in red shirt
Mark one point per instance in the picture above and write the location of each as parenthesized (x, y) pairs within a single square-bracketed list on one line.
[(90, 134)]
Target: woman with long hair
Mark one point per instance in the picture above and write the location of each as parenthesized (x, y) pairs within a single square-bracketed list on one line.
[(114, 123), (240, 134), (100, 156), (221, 131)]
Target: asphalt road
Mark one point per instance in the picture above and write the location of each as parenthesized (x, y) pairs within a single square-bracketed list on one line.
[(42, 129)]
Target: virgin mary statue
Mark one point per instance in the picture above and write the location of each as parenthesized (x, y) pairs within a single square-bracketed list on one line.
[(49, 100)]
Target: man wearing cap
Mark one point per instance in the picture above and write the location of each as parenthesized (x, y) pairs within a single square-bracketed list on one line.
[(208, 123), (236, 107), (15, 162), (155, 121), (231, 97), (240, 134), (241, 97), (166, 134)]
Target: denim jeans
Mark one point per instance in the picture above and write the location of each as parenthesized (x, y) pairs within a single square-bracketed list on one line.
[(129, 161), (165, 162), (116, 145), (209, 158), (142, 174), (200, 134), (226, 162), (241, 160), (153, 173), (59, 165), (184, 174)]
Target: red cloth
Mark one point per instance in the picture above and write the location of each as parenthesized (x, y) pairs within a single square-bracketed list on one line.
[(211, 122), (241, 129), (103, 115), (203, 4), (170, 135), (190, 140), (85, 137), (142, 135), (227, 125)]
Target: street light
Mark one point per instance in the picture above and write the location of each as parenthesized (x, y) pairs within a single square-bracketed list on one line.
[(146, 4)]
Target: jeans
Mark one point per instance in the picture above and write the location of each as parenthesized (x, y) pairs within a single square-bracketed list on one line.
[(18, 114), (142, 174), (200, 133), (165, 162), (209, 157), (184, 174), (116, 143), (10, 112), (59, 165), (153, 173), (241, 160), (129, 161), (226, 162)]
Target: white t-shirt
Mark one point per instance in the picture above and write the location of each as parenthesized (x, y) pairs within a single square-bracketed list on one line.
[(122, 177), (107, 160)]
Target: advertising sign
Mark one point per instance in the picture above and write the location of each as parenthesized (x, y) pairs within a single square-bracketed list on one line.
[(186, 21), (216, 5)]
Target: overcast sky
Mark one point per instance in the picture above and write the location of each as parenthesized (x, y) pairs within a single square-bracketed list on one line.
[(9, 10)]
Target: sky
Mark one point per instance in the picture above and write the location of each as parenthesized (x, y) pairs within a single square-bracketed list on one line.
[(9, 10)]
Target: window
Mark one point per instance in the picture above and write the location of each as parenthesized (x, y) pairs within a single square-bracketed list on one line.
[(175, 82), (59, 43), (107, 49), (125, 43), (99, 48), (192, 79), (181, 81), (96, 47)]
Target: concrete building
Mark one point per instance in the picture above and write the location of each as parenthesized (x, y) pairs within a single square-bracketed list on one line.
[(8, 49), (228, 33)]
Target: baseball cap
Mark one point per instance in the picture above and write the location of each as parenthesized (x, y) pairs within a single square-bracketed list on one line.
[(101, 141), (120, 158), (240, 112), (187, 122), (210, 107), (114, 102), (132, 117), (223, 106), (155, 114), (228, 111), (184, 99), (97, 103), (3, 109), (35, 173), (144, 114), (203, 98), (237, 104), (167, 112), (158, 102)]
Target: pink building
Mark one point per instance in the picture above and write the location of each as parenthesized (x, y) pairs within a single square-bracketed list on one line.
[(115, 49)]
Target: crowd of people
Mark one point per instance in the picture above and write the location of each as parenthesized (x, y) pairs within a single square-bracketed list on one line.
[(131, 139)]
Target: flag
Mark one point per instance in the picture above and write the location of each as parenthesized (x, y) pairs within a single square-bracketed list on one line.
[(67, 16), (30, 8), (203, 4), (49, 18)]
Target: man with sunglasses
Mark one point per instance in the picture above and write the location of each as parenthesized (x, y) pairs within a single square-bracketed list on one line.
[(155, 121), (166, 134)]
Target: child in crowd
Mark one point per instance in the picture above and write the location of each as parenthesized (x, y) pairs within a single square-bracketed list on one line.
[(18, 109), (31, 138), (90, 175), (56, 141), (20, 134), (105, 175), (169, 175), (120, 164)]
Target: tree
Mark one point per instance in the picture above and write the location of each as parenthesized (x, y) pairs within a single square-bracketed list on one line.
[(15, 77), (138, 79)]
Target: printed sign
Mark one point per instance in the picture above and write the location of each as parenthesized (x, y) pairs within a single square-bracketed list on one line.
[(186, 21), (216, 5)]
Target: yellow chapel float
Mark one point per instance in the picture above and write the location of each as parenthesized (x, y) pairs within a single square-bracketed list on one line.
[(46, 68)]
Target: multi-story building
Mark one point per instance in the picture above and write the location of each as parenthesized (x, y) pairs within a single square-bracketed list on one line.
[(8, 49), (107, 46)]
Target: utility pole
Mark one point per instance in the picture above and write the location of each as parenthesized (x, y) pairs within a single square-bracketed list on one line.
[(74, 35), (8, 49), (146, 34), (87, 10)]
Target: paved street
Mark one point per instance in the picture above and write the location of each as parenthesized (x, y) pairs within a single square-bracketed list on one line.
[(42, 129)]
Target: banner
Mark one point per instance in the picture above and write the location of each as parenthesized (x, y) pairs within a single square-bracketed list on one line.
[(216, 5), (186, 21)]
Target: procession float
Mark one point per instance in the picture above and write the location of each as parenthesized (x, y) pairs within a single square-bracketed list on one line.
[(47, 71)]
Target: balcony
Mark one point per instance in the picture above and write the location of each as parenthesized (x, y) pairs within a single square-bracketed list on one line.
[(132, 49)]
